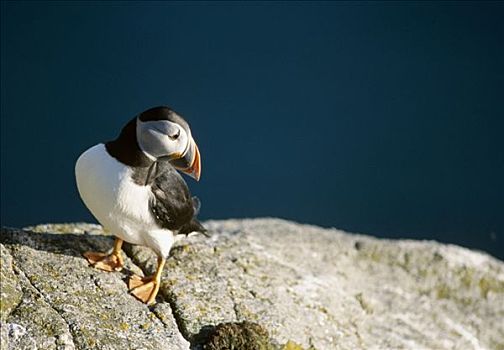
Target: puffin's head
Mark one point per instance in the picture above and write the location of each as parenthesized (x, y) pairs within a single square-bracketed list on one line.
[(163, 134)]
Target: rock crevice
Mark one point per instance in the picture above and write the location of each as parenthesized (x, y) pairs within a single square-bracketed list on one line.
[(93, 306), (297, 284), (167, 298)]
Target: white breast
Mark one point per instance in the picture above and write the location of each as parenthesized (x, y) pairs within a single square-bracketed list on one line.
[(121, 206)]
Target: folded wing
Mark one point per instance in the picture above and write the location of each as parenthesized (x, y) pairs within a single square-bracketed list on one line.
[(172, 205)]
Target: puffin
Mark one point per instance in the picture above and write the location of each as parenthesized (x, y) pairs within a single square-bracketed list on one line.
[(133, 188)]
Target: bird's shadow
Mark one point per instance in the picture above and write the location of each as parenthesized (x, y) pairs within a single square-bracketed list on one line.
[(75, 245), (69, 244)]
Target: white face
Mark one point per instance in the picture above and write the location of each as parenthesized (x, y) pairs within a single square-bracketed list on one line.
[(162, 138)]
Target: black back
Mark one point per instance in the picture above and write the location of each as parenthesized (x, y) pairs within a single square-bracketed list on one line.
[(172, 205)]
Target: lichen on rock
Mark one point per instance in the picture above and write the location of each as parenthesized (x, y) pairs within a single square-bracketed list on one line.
[(10, 289), (66, 304), (268, 282)]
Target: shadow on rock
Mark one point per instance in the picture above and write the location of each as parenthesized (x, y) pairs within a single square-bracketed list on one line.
[(69, 244)]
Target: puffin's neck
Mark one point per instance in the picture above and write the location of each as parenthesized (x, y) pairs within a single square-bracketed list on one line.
[(125, 147)]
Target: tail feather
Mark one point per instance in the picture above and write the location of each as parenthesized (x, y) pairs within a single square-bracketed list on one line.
[(193, 226)]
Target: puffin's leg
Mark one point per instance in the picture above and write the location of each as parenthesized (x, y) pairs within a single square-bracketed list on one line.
[(107, 262), (146, 288)]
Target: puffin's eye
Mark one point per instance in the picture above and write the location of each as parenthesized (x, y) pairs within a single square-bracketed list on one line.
[(175, 136)]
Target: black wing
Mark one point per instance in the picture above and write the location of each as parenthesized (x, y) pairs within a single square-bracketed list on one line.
[(172, 204)]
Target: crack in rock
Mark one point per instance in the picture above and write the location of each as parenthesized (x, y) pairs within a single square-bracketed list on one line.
[(93, 306), (165, 294), (61, 339), (303, 284)]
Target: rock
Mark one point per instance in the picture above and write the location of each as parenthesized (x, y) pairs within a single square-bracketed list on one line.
[(267, 283), (66, 304), (10, 290)]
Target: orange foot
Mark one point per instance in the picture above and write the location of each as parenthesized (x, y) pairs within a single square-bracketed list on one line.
[(105, 262), (144, 289)]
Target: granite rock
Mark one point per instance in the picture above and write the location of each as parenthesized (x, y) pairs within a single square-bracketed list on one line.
[(293, 286), (65, 304)]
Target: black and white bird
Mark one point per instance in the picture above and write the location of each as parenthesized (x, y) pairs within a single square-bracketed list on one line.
[(132, 187)]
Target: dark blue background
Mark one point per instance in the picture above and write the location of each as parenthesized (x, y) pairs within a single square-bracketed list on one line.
[(380, 118)]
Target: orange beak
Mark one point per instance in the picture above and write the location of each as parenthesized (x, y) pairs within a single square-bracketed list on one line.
[(190, 163), (194, 169)]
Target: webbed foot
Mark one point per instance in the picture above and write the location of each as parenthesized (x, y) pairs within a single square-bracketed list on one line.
[(106, 262)]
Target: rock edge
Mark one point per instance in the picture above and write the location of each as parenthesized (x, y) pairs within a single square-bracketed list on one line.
[(306, 286)]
